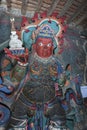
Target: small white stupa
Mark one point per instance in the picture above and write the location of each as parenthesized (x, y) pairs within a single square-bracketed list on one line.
[(15, 44)]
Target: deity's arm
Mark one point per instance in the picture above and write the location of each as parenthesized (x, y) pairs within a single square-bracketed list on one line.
[(14, 66), (13, 75)]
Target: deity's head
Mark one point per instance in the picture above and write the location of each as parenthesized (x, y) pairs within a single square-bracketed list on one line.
[(47, 34), (44, 42), (44, 47)]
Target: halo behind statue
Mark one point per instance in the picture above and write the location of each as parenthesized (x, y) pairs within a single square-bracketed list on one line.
[(48, 28)]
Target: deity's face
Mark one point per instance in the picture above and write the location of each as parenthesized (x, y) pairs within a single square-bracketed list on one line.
[(44, 47)]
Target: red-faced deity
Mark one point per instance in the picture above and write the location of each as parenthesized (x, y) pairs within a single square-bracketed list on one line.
[(44, 47)]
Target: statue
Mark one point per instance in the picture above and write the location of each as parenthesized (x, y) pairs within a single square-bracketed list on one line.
[(35, 72)]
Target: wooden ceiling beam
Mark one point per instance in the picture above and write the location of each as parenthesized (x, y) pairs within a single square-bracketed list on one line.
[(66, 7), (78, 11), (81, 19), (8, 5), (24, 7), (53, 6), (40, 2), (32, 2), (19, 7), (16, 2)]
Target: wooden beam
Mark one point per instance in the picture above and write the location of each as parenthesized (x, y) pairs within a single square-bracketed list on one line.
[(24, 7), (66, 7), (8, 5), (53, 6), (19, 7), (78, 11), (32, 2), (81, 19), (40, 2), (16, 2)]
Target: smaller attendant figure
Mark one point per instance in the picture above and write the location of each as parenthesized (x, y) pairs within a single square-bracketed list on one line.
[(72, 101)]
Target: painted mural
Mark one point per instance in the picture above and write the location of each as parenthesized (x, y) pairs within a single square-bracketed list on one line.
[(41, 72)]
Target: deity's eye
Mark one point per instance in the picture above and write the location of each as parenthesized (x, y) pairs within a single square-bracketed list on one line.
[(49, 45), (40, 44)]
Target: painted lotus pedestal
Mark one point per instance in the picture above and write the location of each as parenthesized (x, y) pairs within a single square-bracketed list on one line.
[(42, 95)]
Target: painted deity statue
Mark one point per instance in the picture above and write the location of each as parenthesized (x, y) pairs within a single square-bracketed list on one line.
[(34, 73)]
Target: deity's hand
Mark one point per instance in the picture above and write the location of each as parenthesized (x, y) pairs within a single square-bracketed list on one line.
[(9, 54), (23, 58)]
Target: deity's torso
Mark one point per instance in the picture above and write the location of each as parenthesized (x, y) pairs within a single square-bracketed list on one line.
[(39, 86)]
